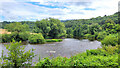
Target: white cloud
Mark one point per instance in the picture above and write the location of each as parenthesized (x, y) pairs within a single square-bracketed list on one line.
[(103, 7), (74, 9), (62, 0)]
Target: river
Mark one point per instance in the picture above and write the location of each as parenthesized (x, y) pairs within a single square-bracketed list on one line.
[(68, 47)]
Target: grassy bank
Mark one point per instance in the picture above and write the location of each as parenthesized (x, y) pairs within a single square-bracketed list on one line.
[(54, 40)]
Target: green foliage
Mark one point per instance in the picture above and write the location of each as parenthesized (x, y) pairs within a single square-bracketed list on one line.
[(17, 56), (6, 38), (101, 35), (110, 40), (90, 37), (43, 27), (96, 28), (0, 38), (17, 27), (96, 52), (78, 32), (53, 40), (52, 28), (69, 32), (19, 32), (36, 39), (24, 35), (106, 56)]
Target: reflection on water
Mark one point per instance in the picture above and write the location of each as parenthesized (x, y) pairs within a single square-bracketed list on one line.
[(67, 47)]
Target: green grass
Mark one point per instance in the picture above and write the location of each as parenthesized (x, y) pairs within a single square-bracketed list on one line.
[(54, 40)]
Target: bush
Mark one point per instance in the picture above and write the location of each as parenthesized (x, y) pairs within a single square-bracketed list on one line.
[(36, 39), (24, 36), (90, 37), (69, 35), (110, 40), (101, 35), (17, 56), (6, 38), (53, 40), (96, 52)]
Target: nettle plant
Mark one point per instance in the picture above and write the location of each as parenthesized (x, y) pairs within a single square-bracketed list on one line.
[(17, 56)]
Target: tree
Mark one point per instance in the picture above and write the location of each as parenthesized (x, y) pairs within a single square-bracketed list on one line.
[(78, 32), (19, 32), (17, 27), (17, 56), (6, 38), (93, 28), (36, 38), (101, 35), (109, 26), (69, 32), (50, 28), (43, 27)]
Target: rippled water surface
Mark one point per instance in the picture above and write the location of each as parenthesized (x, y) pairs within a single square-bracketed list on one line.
[(67, 47)]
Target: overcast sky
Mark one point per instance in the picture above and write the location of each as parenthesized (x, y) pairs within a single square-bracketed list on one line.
[(31, 10)]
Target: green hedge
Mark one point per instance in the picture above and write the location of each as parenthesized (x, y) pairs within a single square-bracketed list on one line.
[(53, 40)]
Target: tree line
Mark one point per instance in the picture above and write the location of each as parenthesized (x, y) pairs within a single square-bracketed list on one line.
[(99, 28)]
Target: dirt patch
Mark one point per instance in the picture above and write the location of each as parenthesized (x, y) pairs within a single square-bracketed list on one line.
[(4, 31)]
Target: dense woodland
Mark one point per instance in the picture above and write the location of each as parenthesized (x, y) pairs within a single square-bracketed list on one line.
[(104, 29)]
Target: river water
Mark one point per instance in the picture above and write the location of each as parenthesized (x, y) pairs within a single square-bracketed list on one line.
[(68, 47)]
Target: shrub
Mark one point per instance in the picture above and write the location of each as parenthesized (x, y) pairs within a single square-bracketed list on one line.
[(110, 40), (69, 35), (90, 37), (86, 36), (17, 56), (6, 38), (36, 38), (53, 40), (24, 36), (96, 52), (101, 35)]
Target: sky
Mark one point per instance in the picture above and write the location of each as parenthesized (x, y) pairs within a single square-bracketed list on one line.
[(32, 10)]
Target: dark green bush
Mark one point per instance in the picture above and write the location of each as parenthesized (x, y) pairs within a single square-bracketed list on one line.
[(24, 36), (6, 38), (96, 52), (36, 39), (110, 40)]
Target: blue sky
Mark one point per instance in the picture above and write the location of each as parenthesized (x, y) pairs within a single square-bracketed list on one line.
[(32, 10)]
